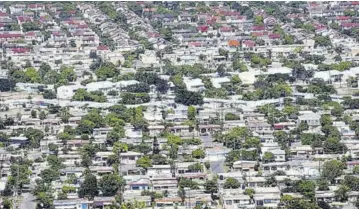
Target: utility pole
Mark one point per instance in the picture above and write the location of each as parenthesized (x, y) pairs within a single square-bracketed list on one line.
[(119, 171), (14, 200)]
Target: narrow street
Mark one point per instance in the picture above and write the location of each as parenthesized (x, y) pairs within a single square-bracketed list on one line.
[(217, 166), (28, 201)]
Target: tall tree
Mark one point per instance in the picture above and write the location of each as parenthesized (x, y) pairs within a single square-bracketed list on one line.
[(89, 188)]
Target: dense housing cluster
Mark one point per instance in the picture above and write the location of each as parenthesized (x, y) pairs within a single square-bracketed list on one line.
[(221, 105)]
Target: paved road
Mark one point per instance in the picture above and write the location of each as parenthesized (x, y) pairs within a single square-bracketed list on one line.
[(28, 201), (207, 140), (217, 166)]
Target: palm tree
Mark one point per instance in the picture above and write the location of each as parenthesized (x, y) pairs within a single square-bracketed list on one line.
[(342, 193), (182, 194)]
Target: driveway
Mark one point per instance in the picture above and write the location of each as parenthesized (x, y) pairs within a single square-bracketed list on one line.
[(28, 201), (217, 166), (207, 141)]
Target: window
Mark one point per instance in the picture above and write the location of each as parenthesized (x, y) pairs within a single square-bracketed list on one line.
[(236, 201), (228, 202), (267, 201)]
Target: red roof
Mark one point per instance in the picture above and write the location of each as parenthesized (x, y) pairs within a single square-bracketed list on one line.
[(274, 36), (258, 27), (24, 19), (195, 44), (354, 3), (352, 163), (239, 17), (203, 28), (149, 9), (7, 35), (20, 50), (249, 43), (211, 22), (3, 14), (277, 126), (57, 33), (35, 6), (30, 34), (262, 33), (349, 25), (102, 48), (342, 17), (319, 27), (228, 13), (235, 43), (153, 34), (82, 26), (225, 29)]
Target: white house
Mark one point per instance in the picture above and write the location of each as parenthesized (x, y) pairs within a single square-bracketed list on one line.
[(67, 92)]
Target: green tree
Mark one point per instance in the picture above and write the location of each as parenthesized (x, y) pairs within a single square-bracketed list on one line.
[(323, 185), (333, 145), (89, 188), (68, 74), (332, 169), (198, 153), (250, 192), (6, 204), (34, 136), (33, 113), (259, 20), (302, 204), (231, 116), (32, 75), (174, 140), (342, 193), (211, 186), (306, 188), (352, 182), (144, 162), (196, 167), (356, 170), (268, 157), (231, 183), (49, 175), (107, 70), (120, 147), (110, 184), (191, 114), (239, 66)]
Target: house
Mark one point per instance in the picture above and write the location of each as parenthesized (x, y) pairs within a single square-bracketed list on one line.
[(129, 157), (163, 182), (267, 197), (102, 202), (159, 169), (312, 119), (217, 153), (139, 184), (67, 92), (219, 81), (245, 166), (303, 150), (182, 170), (68, 171), (195, 85), (17, 141), (73, 203)]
